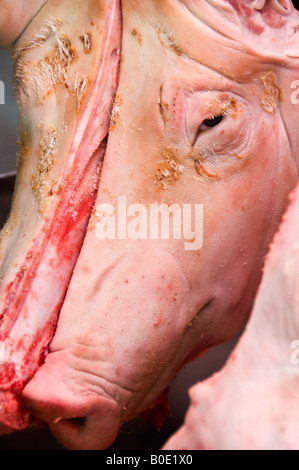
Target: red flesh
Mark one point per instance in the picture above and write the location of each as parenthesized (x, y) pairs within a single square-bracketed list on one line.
[(60, 239)]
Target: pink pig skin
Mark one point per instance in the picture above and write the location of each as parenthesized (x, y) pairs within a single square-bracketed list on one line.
[(137, 310), (133, 311), (252, 403)]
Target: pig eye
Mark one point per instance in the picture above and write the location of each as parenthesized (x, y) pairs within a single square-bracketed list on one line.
[(211, 122)]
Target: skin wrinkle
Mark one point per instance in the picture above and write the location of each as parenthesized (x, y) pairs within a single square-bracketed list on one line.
[(186, 56), (287, 134), (228, 85), (94, 378), (205, 307), (289, 141), (220, 74), (30, 21), (99, 378), (51, 27), (183, 54), (213, 113), (146, 392), (87, 374), (281, 115), (132, 391), (218, 162), (232, 45), (217, 32)]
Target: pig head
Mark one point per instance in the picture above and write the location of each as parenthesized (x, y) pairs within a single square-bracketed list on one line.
[(202, 120)]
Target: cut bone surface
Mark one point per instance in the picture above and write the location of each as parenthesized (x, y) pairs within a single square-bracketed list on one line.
[(133, 311)]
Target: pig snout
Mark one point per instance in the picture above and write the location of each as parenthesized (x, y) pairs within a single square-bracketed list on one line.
[(110, 362)]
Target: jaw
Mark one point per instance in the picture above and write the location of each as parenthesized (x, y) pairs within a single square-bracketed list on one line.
[(67, 79)]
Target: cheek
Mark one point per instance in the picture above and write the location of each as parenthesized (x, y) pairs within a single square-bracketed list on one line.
[(267, 172), (242, 212)]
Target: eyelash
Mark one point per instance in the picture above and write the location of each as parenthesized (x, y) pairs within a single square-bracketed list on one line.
[(212, 121), (209, 123)]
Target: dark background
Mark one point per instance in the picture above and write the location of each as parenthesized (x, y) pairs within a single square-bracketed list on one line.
[(8, 117), (136, 435)]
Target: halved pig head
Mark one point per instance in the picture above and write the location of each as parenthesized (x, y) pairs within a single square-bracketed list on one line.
[(201, 120)]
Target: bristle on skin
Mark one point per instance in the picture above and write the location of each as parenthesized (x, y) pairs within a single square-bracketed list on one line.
[(39, 79), (52, 26)]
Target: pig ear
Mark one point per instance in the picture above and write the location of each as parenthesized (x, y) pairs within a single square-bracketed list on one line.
[(282, 7), (232, 18), (265, 27), (272, 12)]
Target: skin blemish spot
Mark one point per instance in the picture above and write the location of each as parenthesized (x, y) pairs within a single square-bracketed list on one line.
[(169, 170), (23, 148), (202, 171), (164, 107), (233, 109), (167, 41), (137, 36), (80, 88), (116, 112), (271, 94), (46, 160), (237, 155), (86, 39), (65, 53)]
